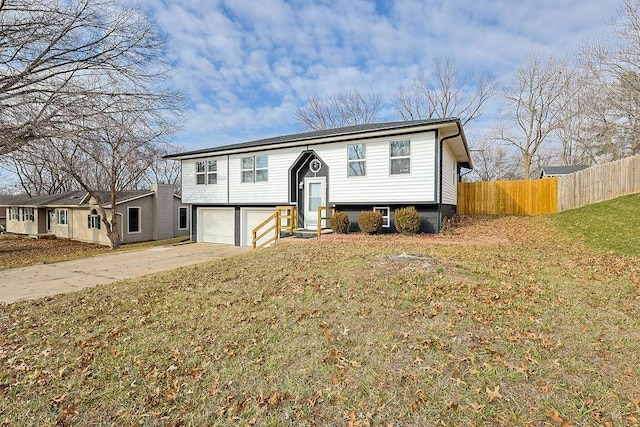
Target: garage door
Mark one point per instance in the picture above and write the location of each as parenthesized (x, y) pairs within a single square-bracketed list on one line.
[(216, 225), (251, 218)]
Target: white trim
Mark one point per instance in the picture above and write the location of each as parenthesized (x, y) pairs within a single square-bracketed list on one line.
[(363, 160), (187, 209), (66, 216), (129, 220), (387, 216), (322, 180), (391, 158)]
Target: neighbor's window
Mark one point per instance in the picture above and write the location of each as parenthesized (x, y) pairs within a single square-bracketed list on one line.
[(255, 169), (183, 218), (62, 216), (207, 172), (133, 216), (27, 214), (357, 160), (93, 220), (385, 216), (400, 157), (15, 214)]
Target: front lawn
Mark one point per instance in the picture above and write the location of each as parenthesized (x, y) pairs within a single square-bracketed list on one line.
[(505, 321)]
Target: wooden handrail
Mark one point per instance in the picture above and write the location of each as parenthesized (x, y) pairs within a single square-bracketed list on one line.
[(290, 216), (322, 217), (275, 216), (275, 220)]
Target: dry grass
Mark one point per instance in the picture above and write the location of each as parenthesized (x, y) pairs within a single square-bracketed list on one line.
[(502, 322)]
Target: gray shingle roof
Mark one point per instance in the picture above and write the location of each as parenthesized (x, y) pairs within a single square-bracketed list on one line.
[(73, 198), (316, 134), (561, 170)]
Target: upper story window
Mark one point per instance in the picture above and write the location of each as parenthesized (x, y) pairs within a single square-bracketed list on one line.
[(207, 172), (27, 214), (15, 214), (400, 157), (62, 216), (255, 169), (357, 160)]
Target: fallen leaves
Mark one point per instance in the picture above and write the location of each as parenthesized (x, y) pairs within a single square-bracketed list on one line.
[(493, 394)]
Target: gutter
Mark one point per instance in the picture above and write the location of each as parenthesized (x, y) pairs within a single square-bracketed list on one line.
[(440, 174)]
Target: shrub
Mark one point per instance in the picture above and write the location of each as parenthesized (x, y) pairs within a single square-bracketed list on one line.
[(370, 222), (339, 222), (407, 220)]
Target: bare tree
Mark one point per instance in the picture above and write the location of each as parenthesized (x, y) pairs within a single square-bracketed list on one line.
[(339, 110), (54, 54), (35, 173), (445, 93), (615, 68), (492, 160), (165, 171), (534, 104), (114, 153)]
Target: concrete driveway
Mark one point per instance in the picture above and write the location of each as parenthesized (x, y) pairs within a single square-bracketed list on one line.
[(37, 281)]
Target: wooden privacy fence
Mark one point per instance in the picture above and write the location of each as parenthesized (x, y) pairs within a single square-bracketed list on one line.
[(524, 197), (599, 183)]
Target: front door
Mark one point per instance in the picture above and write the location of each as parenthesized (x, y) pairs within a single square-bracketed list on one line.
[(314, 196), (50, 219)]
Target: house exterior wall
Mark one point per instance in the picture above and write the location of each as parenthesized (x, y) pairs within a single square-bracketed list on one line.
[(21, 226), (78, 227), (449, 177), (177, 232), (146, 220), (377, 185), (164, 211), (193, 193)]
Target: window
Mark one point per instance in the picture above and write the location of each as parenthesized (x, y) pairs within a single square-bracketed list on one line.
[(27, 214), (357, 160), (400, 157), (15, 214), (386, 223), (61, 216), (207, 172), (133, 215), (255, 169), (183, 218), (93, 220)]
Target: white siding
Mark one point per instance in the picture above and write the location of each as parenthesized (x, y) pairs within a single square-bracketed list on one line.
[(275, 190), (204, 193), (379, 185), (449, 177)]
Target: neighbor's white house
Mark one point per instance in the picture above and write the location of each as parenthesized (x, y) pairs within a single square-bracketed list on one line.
[(381, 166)]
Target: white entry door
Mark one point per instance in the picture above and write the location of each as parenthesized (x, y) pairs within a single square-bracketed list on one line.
[(314, 196)]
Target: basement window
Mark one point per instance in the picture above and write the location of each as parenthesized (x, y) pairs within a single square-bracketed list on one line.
[(386, 223)]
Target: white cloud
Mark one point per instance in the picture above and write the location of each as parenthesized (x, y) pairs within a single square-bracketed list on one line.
[(246, 66)]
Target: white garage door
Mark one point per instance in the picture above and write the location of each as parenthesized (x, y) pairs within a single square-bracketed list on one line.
[(251, 218), (216, 225)]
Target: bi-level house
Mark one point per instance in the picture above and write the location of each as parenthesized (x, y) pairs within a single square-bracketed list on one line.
[(380, 166)]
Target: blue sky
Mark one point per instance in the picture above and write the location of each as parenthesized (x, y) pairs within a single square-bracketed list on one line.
[(245, 65)]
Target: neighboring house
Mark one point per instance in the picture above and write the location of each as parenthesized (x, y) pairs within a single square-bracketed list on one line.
[(381, 166), (549, 171), (143, 215)]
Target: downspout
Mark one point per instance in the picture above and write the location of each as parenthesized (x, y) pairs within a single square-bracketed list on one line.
[(440, 175)]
